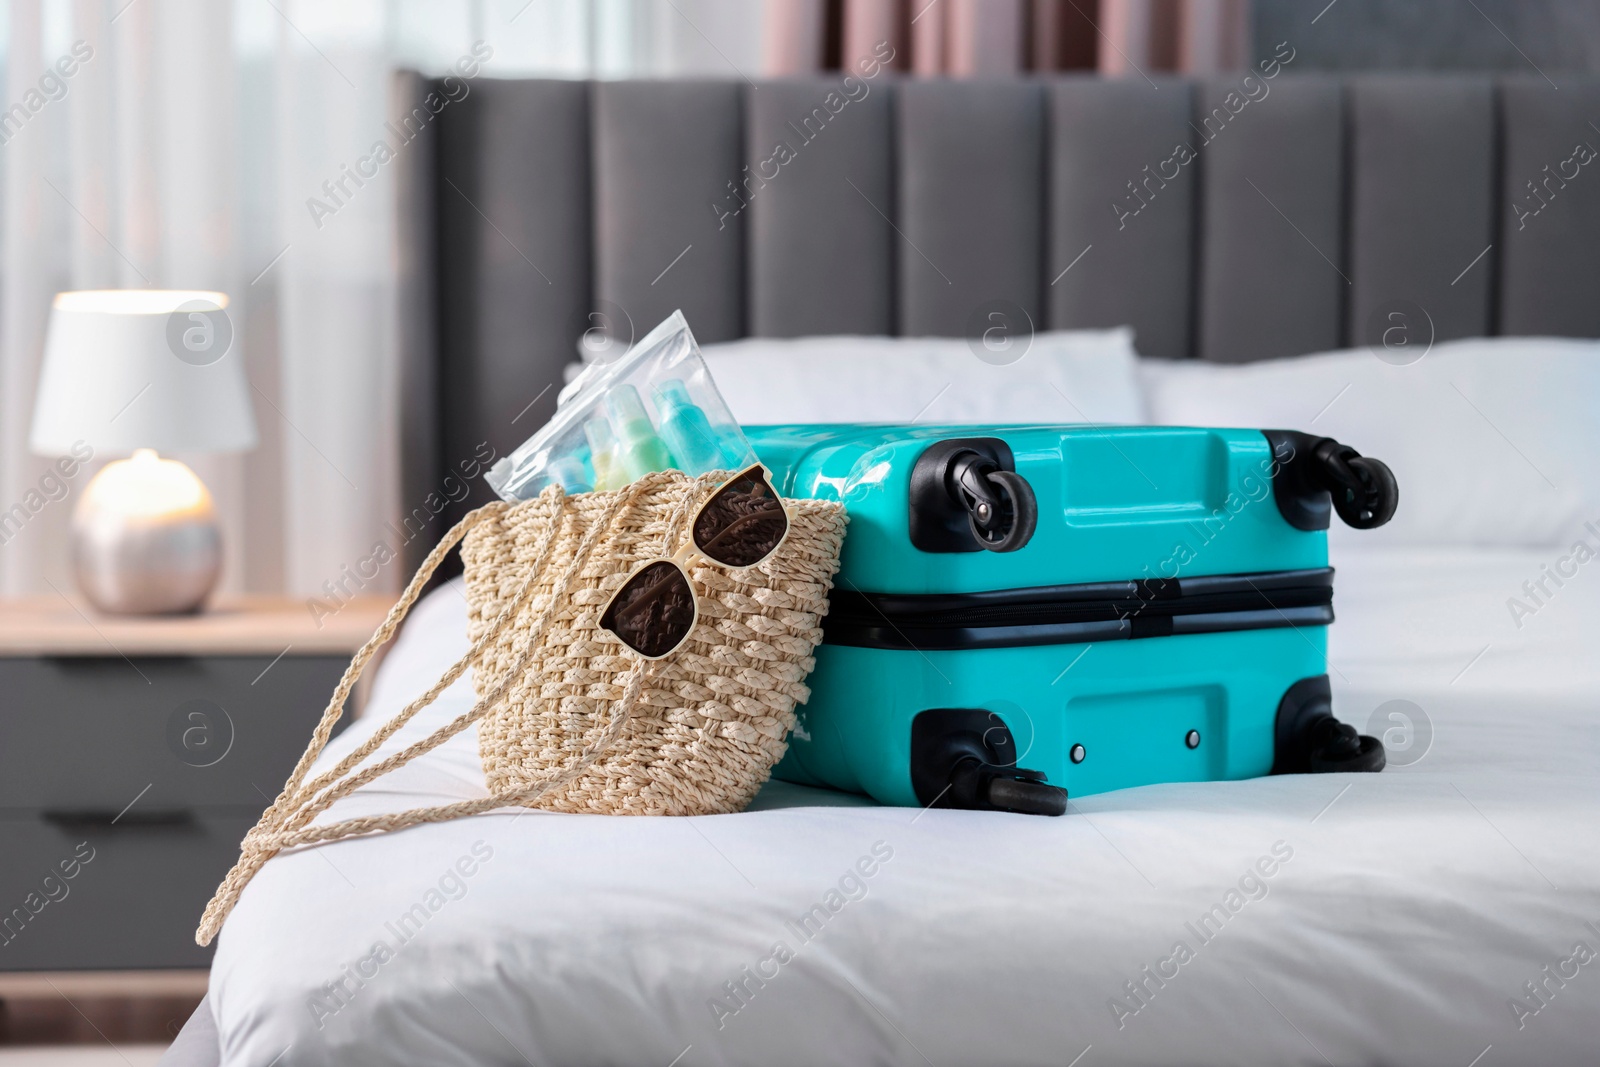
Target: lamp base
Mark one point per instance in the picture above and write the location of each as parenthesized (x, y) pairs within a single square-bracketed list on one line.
[(145, 539)]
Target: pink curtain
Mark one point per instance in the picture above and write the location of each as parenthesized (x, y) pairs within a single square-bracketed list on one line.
[(1007, 38), (1214, 36), (928, 38), (792, 37), (1127, 46), (985, 38), (866, 24), (1189, 36)]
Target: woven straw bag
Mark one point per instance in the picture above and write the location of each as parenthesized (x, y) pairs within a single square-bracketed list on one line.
[(569, 718)]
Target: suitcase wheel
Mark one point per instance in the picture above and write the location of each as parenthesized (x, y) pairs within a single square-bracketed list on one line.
[(966, 496), (1006, 521), (1027, 796), (1316, 475), (1309, 740), (967, 758), (1372, 500), (1339, 749)]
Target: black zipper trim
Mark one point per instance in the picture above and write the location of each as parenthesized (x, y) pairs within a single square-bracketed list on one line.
[(1069, 614)]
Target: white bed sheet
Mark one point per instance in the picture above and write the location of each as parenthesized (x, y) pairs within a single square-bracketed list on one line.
[(1413, 909)]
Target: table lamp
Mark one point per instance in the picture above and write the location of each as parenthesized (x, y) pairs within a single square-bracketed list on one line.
[(140, 372)]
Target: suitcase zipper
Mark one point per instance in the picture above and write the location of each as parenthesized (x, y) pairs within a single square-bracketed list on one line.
[(1067, 614)]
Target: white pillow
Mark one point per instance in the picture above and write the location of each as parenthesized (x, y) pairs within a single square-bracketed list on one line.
[(1067, 376), (1494, 441)]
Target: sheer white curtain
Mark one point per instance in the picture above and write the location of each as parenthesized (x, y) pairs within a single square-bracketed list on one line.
[(189, 150), (119, 171)]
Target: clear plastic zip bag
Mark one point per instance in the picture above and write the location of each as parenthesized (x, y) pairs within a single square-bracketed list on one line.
[(655, 408)]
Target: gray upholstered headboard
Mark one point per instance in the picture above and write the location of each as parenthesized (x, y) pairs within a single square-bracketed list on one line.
[(1299, 212)]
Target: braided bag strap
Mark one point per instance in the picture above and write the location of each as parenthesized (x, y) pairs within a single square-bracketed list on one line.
[(285, 824)]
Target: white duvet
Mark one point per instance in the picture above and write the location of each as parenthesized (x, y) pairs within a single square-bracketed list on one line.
[(1445, 912)]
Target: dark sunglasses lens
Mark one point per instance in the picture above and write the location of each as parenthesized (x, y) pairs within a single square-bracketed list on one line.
[(742, 523), (654, 612)]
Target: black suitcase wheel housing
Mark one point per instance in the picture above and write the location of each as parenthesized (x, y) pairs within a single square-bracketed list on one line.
[(966, 496), (1309, 740), (1315, 476), (967, 758)]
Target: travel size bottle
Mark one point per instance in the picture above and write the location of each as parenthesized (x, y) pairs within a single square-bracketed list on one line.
[(686, 429), (608, 472), (639, 450), (572, 474)]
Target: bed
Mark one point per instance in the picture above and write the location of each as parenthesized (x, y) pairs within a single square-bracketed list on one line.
[(1446, 911), (1405, 910)]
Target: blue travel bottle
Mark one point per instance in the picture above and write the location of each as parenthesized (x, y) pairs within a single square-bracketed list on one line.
[(571, 473), (686, 429)]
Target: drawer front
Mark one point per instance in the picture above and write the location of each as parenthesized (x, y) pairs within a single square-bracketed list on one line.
[(109, 898), (85, 737)]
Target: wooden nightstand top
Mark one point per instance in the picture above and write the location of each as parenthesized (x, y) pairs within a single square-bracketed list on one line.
[(53, 626)]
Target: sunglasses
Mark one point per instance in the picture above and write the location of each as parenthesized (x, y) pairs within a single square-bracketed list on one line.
[(741, 524)]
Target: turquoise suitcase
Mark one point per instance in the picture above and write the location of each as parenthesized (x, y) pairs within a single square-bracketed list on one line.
[(1023, 612)]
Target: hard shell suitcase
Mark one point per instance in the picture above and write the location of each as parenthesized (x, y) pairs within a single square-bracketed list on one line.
[(1026, 611)]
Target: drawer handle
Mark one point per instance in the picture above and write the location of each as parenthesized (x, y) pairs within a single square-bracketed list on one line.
[(96, 819)]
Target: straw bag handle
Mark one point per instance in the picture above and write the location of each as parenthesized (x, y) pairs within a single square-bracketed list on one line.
[(284, 824)]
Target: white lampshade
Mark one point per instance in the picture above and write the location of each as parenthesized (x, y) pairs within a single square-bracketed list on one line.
[(141, 368)]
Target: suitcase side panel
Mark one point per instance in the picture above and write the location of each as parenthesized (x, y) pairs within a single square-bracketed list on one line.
[(1115, 503), (1130, 704)]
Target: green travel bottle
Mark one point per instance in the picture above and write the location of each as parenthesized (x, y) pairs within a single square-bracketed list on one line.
[(638, 448)]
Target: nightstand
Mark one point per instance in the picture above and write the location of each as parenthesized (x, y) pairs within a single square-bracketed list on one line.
[(134, 756)]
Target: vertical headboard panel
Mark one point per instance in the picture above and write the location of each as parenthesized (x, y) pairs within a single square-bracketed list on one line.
[(664, 153), (513, 263), (820, 256), (1272, 276), (971, 201), (1121, 210), (1550, 218), (1422, 165), (545, 207)]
